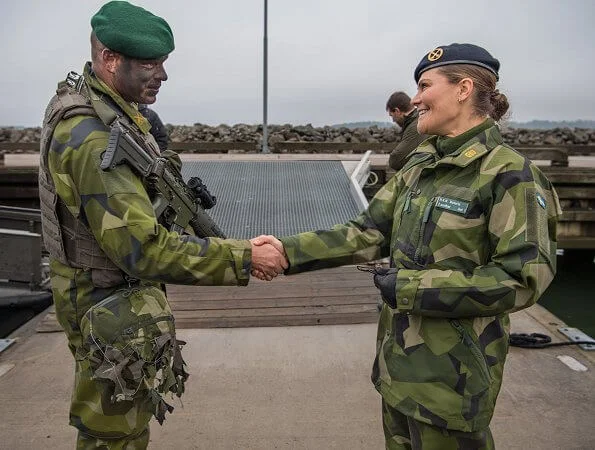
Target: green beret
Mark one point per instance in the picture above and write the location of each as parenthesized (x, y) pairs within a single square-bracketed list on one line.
[(132, 31), (457, 54)]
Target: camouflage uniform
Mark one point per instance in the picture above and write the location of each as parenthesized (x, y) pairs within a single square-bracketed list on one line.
[(403, 433), (410, 139), (473, 236), (123, 340)]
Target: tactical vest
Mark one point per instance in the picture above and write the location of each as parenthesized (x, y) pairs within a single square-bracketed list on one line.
[(66, 237)]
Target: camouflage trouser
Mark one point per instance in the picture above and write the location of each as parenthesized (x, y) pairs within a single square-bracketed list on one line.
[(103, 424), (116, 372), (404, 433)]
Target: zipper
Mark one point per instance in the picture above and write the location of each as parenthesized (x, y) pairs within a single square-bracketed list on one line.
[(407, 207), (475, 350), (422, 229), (414, 190)]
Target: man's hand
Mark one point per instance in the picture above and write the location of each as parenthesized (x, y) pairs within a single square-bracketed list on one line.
[(269, 239), (268, 257)]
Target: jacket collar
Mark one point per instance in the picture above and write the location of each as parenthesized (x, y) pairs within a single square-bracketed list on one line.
[(474, 148), (409, 118)]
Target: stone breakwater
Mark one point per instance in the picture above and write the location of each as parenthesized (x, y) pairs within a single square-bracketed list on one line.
[(308, 133)]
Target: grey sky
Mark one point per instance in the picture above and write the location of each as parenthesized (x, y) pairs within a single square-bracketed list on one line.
[(330, 61)]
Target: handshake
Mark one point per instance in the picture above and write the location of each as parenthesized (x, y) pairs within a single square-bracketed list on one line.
[(269, 260), (268, 257)]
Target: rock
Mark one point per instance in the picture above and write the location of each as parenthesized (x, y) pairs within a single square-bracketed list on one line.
[(339, 140), (279, 133), (553, 140), (581, 137)]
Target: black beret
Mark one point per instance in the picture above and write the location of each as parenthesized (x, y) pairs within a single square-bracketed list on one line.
[(132, 31), (457, 54)]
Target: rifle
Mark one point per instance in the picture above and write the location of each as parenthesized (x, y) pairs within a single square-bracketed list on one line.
[(176, 204)]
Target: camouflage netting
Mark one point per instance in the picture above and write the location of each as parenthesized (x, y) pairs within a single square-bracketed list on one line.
[(308, 133)]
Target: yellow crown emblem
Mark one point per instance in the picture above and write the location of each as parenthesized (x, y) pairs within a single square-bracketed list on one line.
[(470, 153), (435, 54)]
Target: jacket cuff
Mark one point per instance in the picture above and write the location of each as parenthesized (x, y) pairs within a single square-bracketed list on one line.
[(241, 252), (290, 244), (406, 287)]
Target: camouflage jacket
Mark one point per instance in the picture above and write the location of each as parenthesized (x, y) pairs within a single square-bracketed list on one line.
[(473, 234), (410, 139), (116, 208)]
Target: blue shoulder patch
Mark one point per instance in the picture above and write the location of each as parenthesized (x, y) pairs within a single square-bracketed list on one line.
[(541, 200)]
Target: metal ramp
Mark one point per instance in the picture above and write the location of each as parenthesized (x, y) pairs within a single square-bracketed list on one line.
[(280, 197)]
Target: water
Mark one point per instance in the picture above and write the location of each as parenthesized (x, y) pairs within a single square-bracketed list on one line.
[(571, 296)]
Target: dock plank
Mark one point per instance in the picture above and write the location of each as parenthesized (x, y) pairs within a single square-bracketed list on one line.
[(272, 302), (332, 296), (279, 321)]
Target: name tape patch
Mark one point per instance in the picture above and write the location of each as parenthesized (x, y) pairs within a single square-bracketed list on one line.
[(452, 204)]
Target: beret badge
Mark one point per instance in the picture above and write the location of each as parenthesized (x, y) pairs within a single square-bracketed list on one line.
[(435, 54)]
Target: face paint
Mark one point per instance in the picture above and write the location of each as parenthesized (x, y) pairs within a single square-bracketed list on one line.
[(139, 80)]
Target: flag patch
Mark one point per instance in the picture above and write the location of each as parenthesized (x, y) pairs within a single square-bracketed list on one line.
[(540, 200)]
